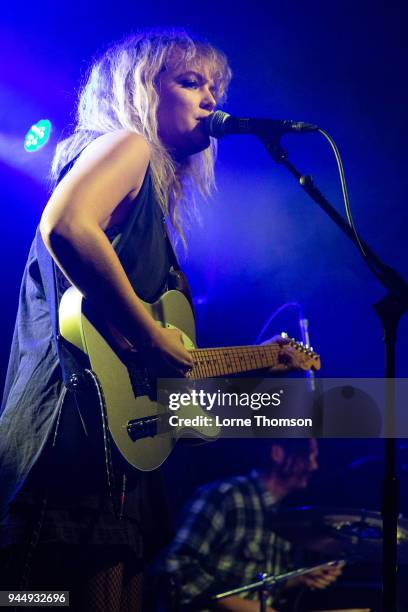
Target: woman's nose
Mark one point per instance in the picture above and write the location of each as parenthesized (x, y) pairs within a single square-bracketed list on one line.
[(208, 101)]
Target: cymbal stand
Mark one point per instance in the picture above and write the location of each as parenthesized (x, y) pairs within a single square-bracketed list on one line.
[(267, 583)]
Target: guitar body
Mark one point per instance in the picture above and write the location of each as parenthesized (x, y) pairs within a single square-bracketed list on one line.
[(138, 424), (123, 406)]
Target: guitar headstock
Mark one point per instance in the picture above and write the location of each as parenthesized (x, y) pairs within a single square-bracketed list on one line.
[(303, 357)]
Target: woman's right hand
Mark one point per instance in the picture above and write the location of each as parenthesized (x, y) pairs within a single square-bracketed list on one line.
[(168, 354)]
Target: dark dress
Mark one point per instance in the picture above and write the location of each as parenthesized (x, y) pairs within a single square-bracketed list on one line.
[(58, 515)]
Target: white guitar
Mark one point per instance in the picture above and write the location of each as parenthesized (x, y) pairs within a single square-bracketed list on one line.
[(135, 419)]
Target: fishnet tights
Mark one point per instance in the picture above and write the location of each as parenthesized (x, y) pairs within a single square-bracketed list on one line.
[(97, 581), (110, 590)]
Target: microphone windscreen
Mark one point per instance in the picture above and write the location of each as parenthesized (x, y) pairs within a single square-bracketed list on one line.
[(215, 124)]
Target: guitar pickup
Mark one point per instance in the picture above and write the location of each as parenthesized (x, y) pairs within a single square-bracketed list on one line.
[(145, 427)]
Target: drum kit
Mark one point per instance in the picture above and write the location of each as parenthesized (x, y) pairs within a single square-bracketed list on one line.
[(338, 536)]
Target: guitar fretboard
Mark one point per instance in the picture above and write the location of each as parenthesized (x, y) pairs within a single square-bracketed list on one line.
[(214, 362)]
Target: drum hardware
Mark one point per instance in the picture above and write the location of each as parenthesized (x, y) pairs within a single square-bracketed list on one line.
[(267, 582)]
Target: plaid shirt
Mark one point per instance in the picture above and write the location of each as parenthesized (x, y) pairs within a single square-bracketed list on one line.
[(226, 540)]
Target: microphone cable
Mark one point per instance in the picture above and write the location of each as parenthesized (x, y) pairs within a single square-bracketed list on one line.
[(273, 316), (370, 263)]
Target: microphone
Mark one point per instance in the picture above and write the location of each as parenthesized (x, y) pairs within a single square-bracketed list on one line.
[(220, 124)]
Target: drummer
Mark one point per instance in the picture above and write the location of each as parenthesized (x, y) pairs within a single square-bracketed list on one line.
[(227, 536)]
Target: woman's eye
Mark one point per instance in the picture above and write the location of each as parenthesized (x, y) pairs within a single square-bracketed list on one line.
[(191, 83)]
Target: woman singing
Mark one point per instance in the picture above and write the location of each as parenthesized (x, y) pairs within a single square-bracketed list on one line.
[(138, 151)]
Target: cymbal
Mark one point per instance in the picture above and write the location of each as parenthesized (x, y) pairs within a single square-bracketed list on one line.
[(339, 532)]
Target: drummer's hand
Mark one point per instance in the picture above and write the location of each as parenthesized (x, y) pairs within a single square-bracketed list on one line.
[(321, 578)]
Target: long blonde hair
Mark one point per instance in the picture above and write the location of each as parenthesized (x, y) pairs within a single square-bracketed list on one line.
[(120, 93)]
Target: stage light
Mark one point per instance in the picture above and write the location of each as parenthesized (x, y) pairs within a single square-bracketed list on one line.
[(37, 136)]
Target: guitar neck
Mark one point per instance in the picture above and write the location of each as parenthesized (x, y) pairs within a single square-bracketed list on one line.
[(213, 362)]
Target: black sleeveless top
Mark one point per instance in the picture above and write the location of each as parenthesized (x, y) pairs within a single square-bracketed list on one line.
[(34, 390), (142, 246)]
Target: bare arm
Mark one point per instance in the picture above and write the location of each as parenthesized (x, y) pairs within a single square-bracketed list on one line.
[(98, 189)]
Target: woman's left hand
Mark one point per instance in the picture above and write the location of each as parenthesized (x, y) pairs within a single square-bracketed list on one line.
[(286, 358)]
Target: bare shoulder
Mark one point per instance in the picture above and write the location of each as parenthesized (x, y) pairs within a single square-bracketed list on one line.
[(120, 142), (108, 173), (123, 150), (121, 154)]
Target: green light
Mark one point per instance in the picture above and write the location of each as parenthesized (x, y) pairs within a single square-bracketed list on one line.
[(37, 136)]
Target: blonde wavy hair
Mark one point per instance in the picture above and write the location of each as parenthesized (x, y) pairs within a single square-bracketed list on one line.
[(120, 92)]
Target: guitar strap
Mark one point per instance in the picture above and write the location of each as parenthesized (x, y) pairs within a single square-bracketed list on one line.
[(177, 279), (83, 385)]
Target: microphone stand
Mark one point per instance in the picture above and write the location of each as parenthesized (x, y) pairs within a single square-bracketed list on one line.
[(389, 310)]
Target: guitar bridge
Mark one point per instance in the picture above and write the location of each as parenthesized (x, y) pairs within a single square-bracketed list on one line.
[(145, 427)]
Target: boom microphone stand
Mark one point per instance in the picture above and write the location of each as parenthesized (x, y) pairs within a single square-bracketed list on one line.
[(389, 310)]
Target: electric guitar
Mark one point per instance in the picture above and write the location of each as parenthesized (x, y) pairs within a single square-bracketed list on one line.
[(135, 419)]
